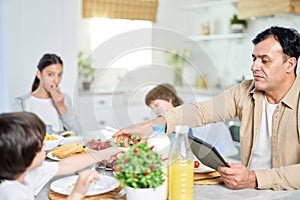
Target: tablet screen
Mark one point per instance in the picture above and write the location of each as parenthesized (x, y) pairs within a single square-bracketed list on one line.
[(207, 154)]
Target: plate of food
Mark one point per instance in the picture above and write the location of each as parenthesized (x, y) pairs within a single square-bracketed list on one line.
[(52, 141), (66, 151), (102, 185), (52, 157)]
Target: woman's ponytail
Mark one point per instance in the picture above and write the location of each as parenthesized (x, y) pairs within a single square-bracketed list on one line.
[(35, 84)]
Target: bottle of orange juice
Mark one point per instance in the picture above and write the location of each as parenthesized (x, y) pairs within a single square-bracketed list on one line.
[(181, 167)]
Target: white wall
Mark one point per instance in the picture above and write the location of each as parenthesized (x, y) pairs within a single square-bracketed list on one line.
[(3, 70), (33, 28)]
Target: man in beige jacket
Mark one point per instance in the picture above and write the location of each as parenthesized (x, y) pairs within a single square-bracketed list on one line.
[(268, 108)]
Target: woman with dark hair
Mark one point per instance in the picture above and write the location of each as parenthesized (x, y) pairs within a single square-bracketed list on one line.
[(46, 98)]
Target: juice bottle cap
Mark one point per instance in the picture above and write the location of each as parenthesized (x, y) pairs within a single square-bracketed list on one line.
[(181, 129), (159, 128)]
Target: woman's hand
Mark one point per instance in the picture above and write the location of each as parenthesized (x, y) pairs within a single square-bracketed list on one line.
[(58, 99), (84, 180), (237, 176)]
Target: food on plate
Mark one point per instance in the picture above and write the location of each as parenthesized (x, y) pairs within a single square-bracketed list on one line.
[(67, 134), (98, 144), (50, 137), (68, 150), (196, 164)]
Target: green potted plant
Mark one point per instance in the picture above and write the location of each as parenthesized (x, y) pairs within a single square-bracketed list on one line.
[(85, 69), (238, 25), (140, 170), (177, 59)]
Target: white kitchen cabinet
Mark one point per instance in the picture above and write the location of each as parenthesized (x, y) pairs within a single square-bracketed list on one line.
[(122, 109), (139, 113), (189, 95), (99, 110)]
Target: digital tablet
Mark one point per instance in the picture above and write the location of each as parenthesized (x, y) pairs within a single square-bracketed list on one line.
[(206, 153)]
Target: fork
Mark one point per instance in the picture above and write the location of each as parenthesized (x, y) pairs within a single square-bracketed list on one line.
[(119, 194)]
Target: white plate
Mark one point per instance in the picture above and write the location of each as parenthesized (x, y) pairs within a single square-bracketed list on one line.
[(203, 169), (50, 155), (102, 185)]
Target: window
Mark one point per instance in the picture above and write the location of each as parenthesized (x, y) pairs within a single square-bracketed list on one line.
[(103, 29)]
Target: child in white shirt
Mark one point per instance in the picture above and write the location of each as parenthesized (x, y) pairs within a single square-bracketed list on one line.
[(23, 171)]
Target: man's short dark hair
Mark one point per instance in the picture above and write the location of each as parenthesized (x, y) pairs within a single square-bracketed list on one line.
[(288, 38)]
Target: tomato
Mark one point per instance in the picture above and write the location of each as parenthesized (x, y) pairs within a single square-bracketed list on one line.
[(196, 164)]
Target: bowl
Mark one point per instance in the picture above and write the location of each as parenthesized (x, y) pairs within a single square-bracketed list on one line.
[(51, 144)]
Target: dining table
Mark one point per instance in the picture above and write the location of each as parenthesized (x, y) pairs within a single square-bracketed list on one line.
[(210, 190), (207, 186), (205, 192)]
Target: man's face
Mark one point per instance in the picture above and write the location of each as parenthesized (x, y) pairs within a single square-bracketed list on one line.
[(269, 66)]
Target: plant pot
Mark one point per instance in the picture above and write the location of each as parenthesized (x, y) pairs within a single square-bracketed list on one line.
[(237, 28), (86, 85), (158, 193)]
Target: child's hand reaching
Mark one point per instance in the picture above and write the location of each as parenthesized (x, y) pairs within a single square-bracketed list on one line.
[(84, 180)]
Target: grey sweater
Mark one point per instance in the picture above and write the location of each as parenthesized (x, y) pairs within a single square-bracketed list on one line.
[(67, 121)]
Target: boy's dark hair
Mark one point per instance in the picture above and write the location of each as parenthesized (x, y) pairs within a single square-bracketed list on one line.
[(165, 92), (288, 38), (21, 137)]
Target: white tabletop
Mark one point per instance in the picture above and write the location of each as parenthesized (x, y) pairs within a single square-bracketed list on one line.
[(213, 192)]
